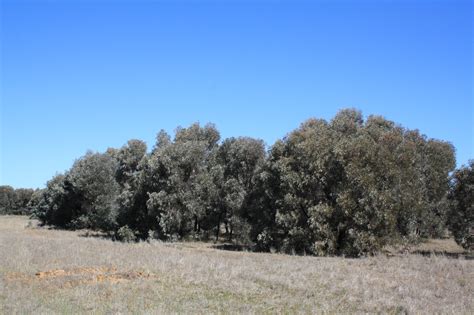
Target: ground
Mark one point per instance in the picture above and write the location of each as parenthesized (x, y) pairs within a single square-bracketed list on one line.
[(52, 271)]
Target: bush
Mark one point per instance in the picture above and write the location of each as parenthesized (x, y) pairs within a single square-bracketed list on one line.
[(265, 241), (126, 234)]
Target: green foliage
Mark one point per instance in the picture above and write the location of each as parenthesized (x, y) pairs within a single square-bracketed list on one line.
[(50, 206), (15, 201), (126, 234), (85, 197), (344, 187), (129, 158), (461, 216), (93, 179), (179, 181), (132, 159), (239, 161)]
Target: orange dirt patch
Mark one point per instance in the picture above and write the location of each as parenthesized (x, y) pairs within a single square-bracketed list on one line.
[(75, 271), (81, 276)]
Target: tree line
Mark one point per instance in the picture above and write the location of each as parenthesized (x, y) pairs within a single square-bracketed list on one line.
[(347, 186), (15, 201)]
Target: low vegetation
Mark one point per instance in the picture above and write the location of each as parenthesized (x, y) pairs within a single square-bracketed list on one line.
[(50, 271)]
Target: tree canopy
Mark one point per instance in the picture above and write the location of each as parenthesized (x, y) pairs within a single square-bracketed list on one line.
[(461, 218), (347, 186)]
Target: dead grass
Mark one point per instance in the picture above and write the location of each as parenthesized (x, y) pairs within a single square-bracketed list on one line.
[(78, 276), (50, 271), (447, 246)]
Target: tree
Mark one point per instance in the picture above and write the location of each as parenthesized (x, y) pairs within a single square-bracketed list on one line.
[(173, 175), (51, 207), (22, 198), (129, 158), (7, 199), (461, 215), (344, 187), (351, 186), (236, 164), (14, 201), (94, 191), (132, 212), (85, 197), (301, 175)]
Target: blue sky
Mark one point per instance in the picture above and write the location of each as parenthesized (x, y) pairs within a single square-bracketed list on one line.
[(79, 75)]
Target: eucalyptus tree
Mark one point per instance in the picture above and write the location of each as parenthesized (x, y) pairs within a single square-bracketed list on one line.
[(440, 162), (7, 199), (14, 201), (234, 169), (131, 160), (423, 170), (51, 207), (301, 178), (344, 187), (94, 191), (351, 186), (366, 198), (173, 175), (461, 215), (84, 197), (22, 198)]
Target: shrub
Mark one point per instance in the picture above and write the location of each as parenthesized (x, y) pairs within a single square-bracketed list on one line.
[(126, 234)]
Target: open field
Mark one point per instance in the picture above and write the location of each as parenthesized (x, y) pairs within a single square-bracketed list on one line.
[(52, 271)]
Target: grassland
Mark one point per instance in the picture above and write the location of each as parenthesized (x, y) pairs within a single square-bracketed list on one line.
[(52, 271)]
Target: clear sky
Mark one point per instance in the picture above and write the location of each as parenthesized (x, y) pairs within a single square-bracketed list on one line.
[(79, 75)]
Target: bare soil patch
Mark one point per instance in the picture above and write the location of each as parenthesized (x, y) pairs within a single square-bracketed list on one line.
[(81, 276)]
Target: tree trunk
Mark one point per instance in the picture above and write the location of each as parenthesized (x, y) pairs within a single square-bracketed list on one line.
[(218, 228), (196, 225)]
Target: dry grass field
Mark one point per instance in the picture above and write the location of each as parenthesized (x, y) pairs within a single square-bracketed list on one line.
[(50, 271)]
